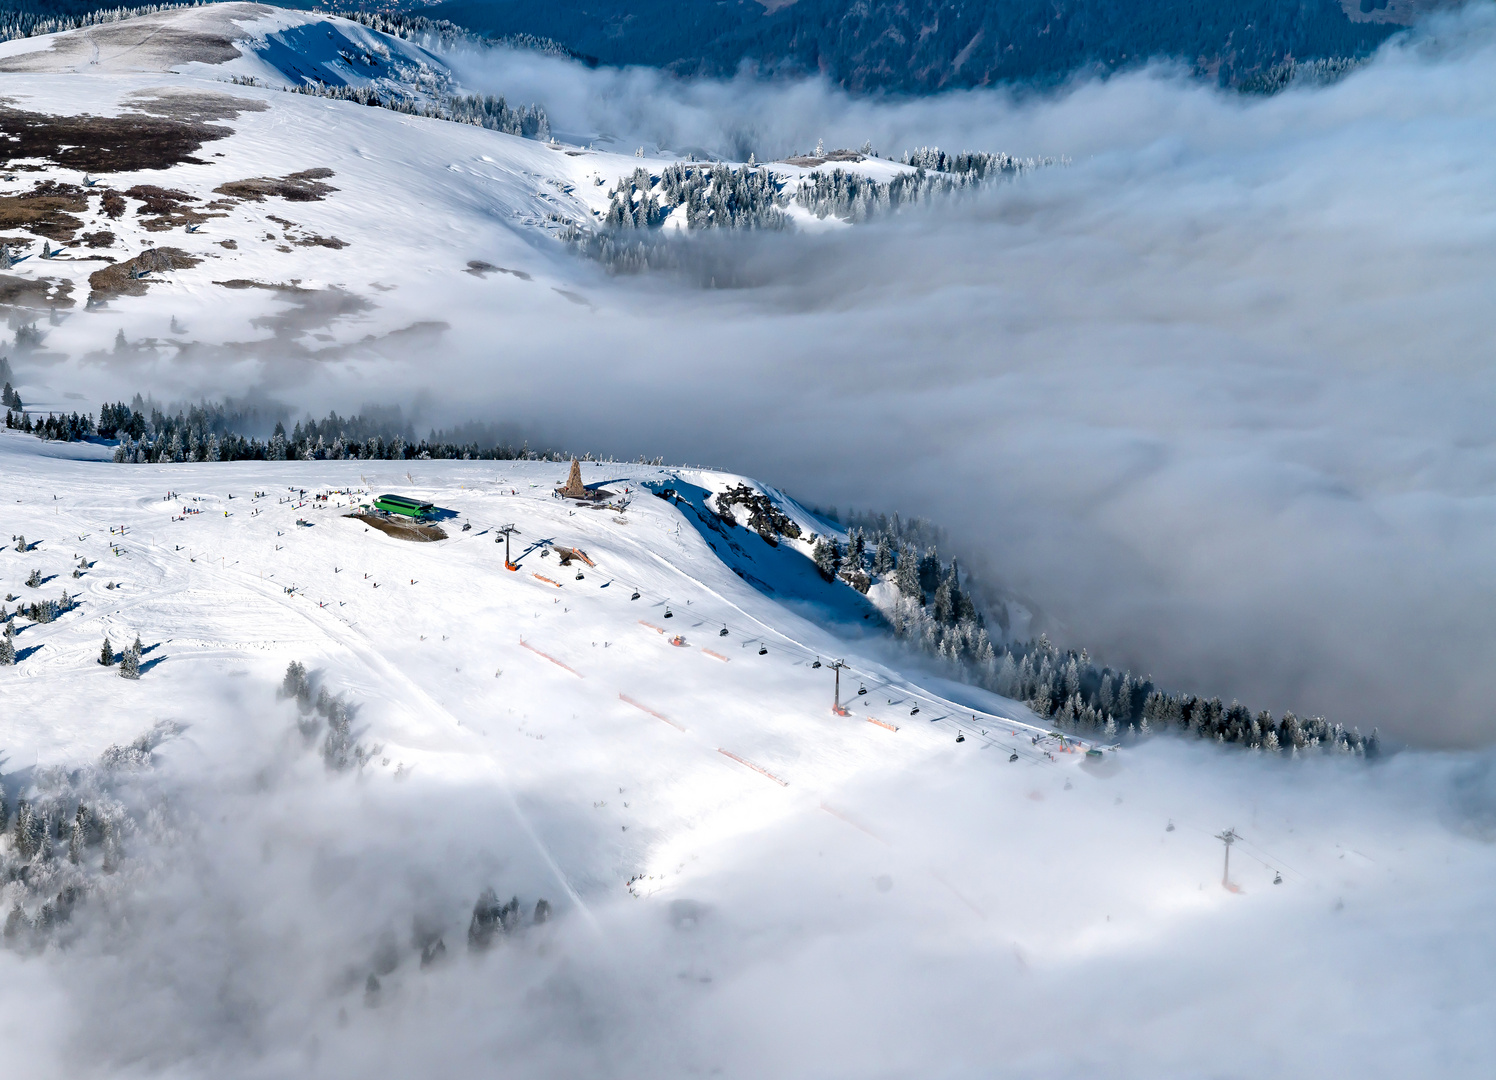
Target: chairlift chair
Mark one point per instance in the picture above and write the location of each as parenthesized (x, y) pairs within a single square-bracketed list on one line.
[(635, 596), (669, 614), (722, 632), (1012, 757), (914, 711), (762, 649), (861, 690), (817, 663), (579, 575), (960, 736)]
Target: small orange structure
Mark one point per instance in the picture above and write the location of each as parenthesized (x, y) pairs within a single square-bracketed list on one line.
[(678, 641), (756, 768)]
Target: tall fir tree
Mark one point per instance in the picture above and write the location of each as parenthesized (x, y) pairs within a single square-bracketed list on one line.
[(129, 664)]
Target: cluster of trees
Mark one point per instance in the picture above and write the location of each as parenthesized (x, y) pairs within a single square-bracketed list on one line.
[(854, 197), (1301, 72), (38, 611), (716, 196), (215, 431), (933, 611), (446, 34), (479, 110), (177, 441), (129, 660), (67, 832), (327, 715), (491, 918), (60, 427), (750, 197), (975, 164)]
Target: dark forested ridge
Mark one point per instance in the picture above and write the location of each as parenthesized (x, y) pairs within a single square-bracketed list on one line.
[(906, 46), (925, 45)]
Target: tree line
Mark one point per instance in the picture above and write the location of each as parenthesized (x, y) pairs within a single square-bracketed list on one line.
[(934, 611), (214, 431), (719, 196), (477, 110)]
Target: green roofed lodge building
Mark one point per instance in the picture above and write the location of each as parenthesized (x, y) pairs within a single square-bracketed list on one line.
[(399, 504)]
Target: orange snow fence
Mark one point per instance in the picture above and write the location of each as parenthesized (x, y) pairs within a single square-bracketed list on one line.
[(652, 626), (859, 827), (548, 581), (552, 659), (880, 723), (755, 768), (647, 709), (716, 656)]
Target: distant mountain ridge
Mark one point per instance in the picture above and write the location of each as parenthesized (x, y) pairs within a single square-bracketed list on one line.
[(921, 46), (916, 46)]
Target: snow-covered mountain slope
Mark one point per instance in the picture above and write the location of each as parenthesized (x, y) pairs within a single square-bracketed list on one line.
[(191, 208), (742, 883)]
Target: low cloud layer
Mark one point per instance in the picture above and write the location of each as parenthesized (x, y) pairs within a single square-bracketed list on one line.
[(1216, 396)]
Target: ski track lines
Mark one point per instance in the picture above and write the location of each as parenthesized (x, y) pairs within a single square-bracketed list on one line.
[(764, 719)]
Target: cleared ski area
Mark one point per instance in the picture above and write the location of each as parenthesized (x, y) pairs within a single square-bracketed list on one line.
[(743, 882)]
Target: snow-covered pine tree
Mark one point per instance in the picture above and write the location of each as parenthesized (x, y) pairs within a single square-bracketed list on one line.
[(295, 683), (945, 603), (78, 836), (106, 654), (21, 543), (129, 663), (907, 575), (8, 647), (34, 579), (827, 556)]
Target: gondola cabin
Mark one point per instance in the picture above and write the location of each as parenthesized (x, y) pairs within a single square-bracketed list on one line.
[(399, 504)]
